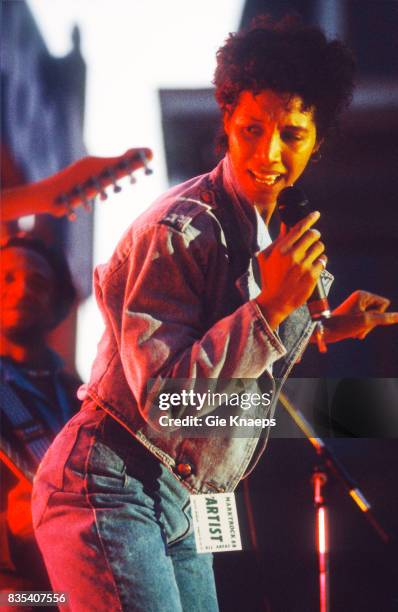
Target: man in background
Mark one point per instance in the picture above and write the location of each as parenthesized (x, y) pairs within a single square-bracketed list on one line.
[(37, 395)]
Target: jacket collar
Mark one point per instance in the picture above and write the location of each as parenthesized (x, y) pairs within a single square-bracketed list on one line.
[(252, 228)]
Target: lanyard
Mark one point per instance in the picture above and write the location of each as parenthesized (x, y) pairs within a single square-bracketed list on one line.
[(26, 427)]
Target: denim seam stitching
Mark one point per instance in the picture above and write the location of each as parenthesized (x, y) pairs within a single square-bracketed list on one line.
[(101, 542), (264, 326), (187, 530)]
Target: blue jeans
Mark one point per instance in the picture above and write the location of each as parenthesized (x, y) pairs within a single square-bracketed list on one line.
[(114, 524)]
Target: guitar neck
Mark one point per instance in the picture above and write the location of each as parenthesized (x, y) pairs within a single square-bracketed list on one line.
[(77, 184)]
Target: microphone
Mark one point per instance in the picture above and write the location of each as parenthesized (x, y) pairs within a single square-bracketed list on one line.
[(293, 206)]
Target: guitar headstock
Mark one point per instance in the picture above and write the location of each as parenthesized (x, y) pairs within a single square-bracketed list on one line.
[(87, 178)]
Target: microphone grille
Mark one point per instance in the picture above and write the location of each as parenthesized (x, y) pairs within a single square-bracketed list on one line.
[(293, 205)]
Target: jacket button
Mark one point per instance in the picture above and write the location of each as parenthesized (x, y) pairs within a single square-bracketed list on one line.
[(184, 469), (207, 197)]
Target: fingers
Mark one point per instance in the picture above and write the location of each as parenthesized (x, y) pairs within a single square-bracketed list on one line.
[(303, 244), (373, 301), (298, 230), (313, 251), (318, 266), (309, 238), (383, 306), (284, 230), (374, 319), (381, 318)]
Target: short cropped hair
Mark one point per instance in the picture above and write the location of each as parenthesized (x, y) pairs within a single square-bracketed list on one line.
[(64, 289), (287, 57)]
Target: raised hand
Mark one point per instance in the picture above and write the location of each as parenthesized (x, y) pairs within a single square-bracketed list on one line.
[(358, 315)]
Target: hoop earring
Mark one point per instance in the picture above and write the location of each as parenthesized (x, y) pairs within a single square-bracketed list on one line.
[(316, 157)]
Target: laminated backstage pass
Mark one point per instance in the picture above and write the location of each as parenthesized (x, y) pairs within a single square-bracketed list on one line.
[(215, 522)]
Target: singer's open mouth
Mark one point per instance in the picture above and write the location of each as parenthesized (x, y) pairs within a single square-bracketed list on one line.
[(266, 178)]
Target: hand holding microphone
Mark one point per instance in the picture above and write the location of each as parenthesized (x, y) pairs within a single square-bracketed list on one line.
[(291, 267), (290, 271), (293, 206)]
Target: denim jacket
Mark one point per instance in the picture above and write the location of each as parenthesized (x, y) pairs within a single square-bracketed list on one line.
[(177, 301)]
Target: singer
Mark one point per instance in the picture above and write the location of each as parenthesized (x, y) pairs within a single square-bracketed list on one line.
[(196, 290)]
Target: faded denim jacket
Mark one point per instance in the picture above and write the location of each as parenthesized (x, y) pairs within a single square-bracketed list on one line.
[(177, 301)]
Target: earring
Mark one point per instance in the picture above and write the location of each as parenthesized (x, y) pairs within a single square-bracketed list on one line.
[(316, 157)]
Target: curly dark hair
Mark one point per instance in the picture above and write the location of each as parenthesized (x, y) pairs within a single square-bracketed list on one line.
[(64, 289), (287, 57)]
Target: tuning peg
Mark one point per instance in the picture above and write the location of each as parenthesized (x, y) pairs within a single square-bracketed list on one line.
[(64, 200), (116, 187), (145, 163), (97, 184), (71, 215), (109, 173), (81, 193), (124, 166)]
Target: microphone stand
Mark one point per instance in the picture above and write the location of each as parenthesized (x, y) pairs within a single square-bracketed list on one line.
[(328, 463)]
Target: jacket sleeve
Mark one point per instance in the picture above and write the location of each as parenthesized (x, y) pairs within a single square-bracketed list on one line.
[(163, 334)]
